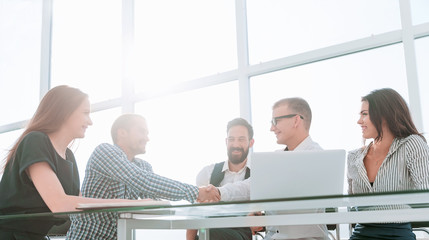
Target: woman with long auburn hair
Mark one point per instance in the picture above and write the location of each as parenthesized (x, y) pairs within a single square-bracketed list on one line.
[(396, 160), (40, 174)]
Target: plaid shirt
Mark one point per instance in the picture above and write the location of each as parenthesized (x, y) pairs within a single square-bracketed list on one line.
[(109, 174)]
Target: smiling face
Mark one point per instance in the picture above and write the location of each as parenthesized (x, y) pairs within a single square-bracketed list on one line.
[(285, 128), (79, 120), (135, 137), (368, 128), (238, 144)]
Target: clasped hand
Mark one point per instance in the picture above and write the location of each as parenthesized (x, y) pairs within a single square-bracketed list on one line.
[(208, 193)]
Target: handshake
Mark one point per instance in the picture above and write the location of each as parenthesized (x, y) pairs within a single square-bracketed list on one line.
[(208, 193)]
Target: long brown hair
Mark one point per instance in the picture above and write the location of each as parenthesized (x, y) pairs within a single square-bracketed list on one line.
[(389, 105), (53, 110)]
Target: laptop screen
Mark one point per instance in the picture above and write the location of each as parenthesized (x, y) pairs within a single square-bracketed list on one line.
[(287, 174)]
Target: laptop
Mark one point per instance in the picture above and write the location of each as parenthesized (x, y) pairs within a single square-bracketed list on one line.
[(288, 174)]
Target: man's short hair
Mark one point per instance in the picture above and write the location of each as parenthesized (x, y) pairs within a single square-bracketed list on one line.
[(123, 122), (240, 122), (298, 106)]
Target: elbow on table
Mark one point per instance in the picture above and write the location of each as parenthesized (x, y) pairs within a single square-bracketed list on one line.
[(63, 204)]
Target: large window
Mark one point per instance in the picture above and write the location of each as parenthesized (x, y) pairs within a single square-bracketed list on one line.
[(191, 66), (86, 47), (420, 9), (175, 42), (280, 28), (422, 49), (20, 39), (333, 88)]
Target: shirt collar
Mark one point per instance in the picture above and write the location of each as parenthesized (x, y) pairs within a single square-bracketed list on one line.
[(306, 144), (397, 142), (226, 166)]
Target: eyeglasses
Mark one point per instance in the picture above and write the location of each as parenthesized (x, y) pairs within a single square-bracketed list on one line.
[(275, 119)]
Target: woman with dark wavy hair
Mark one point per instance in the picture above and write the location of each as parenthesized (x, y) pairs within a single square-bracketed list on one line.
[(396, 160)]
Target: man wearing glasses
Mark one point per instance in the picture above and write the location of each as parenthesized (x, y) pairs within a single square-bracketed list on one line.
[(291, 120), (291, 124), (236, 169)]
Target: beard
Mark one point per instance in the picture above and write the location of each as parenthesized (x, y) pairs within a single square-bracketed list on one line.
[(236, 159)]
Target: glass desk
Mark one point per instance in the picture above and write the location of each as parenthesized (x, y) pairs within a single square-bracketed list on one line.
[(414, 208)]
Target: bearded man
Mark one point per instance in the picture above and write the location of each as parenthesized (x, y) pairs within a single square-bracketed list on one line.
[(238, 142)]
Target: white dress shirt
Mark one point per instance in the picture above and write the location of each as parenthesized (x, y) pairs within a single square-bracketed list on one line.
[(241, 191), (203, 179), (299, 231)]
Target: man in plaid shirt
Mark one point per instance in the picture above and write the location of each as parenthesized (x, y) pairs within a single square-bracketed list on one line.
[(113, 172)]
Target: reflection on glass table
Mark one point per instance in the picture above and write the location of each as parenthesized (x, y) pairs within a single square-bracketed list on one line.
[(410, 206)]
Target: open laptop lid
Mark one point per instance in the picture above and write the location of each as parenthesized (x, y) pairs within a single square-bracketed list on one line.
[(289, 174)]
